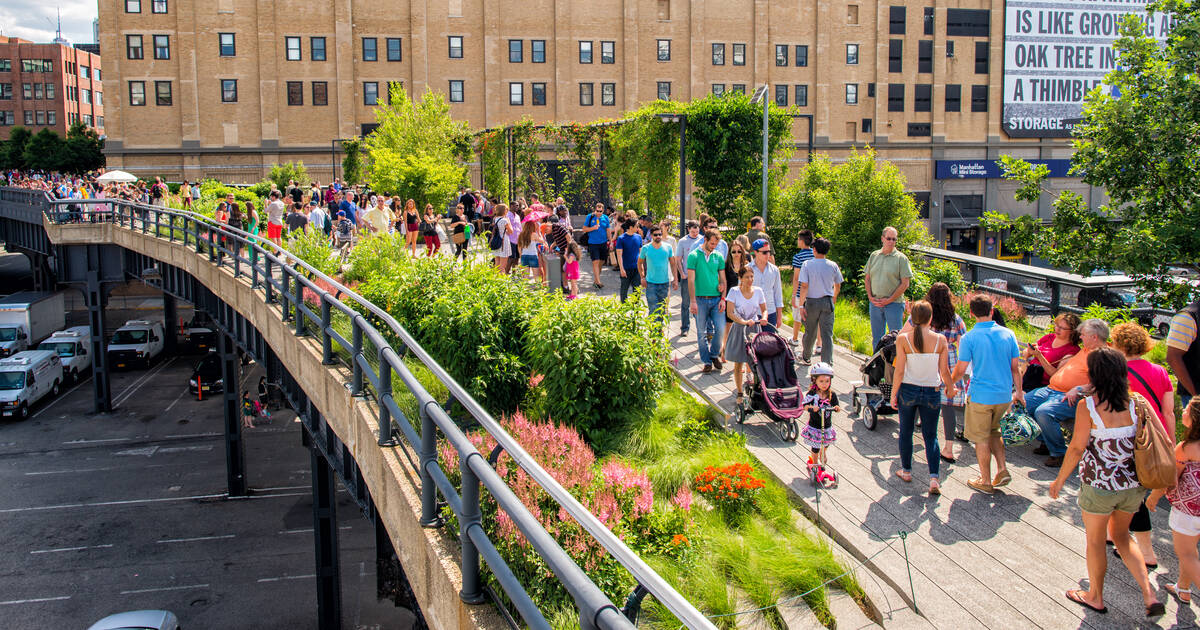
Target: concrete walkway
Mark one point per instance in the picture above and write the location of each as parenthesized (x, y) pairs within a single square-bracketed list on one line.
[(977, 561)]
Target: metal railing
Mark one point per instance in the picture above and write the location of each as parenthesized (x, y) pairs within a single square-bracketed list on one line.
[(285, 283)]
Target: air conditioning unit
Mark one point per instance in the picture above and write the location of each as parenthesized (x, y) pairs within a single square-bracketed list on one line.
[(950, 49)]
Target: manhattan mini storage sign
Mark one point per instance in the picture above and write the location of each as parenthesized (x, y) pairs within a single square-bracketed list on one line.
[(991, 169), (1055, 52)]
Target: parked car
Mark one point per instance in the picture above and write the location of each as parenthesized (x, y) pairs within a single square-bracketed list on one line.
[(72, 347), (206, 376), (1104, 297), (1035, 293), (138, 620), (25, 378), (199, 334), (137, 342)]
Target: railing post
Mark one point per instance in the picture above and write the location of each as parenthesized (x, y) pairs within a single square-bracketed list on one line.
[(1055, 298), (974, 273), (199, 241), (386, 437), (471, 592), (297, 313), (212, 244), (429, 515), (326, 338), (356, 385), (285, 279), (251, 254), (267, 277)]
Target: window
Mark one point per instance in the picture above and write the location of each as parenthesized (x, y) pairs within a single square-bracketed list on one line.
[(516, 51), (6, 92), (537, 51), (292, 47), (664, 50), (85, 72), (896, 19), (227, 44), (96, 74), (133, 47), (585, 52), (664, 90), (922, 97), (918, 129), (320, 93), (664, 10), (608, 52), (456, 47), (162, 46), (739, 54), (954, 98), (538, 93), (740, 88), (896, 97), (968, 22), (370, 92), (516, 93), (41, 117), (137, 93), (158, 6), (852, 94), (866, 125), (162, 93), (229, 90), (979, 98), (6, 118), (801, 56), (370, 49), (5, 65), (98, 98), (317, 45), (394, 49), (781, 95), (87, 94), (852, 14), (896, 55), (950, 48), (585, 94), (981, 57), (928, 20), (870, 90), (456, 91), (718, 89), (718, 54), (99, 121), (608, 94), (295, 93), (852, 54), (27, 91), (801, 96), (781, 54), (925, 55), (29, 117), (133, 6)]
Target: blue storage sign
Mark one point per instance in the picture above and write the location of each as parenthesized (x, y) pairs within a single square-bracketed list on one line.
[(990, 169)]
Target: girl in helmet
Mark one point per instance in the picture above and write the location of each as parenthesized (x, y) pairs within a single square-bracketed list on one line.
[(820, 401)]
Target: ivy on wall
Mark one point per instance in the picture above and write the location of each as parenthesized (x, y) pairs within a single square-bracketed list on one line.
[(493, 157), (580, 144), (531, 173), (642, 160)]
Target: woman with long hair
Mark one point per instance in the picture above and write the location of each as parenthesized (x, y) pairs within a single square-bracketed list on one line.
[(527, 245), (502, 224), (428, 229), (412, 221), (946, 322), (747, 307), (921, 370), (739, 257), (1185, 506)]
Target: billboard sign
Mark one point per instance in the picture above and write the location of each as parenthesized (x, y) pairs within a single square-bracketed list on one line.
[(991, 169), (1055, 52)]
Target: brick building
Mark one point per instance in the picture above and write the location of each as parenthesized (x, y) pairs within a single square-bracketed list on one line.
[(49, 86), (225, 89)]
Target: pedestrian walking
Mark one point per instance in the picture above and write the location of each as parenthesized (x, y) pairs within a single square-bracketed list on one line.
[(820, 281), (705, 268), (819, 434), (992, 354), (921, 371), (886, 276), (596, 227), (1185, 507), (1183, 351), (688, 243), (735, 262), (571, 268), (657, 268), (412, 226), (528, 242), (947, 323), (804, 253), (458, 231), (247, 411), (498, 241), (629, 248), (275, 212), (767, 278), (747, 307), (428, 228)]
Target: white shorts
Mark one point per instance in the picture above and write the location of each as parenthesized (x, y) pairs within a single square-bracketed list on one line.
[(1184, 523)]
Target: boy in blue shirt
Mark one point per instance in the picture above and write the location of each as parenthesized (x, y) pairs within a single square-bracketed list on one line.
[(629, 245)]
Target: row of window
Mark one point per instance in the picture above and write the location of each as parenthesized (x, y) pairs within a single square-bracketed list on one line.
[(46, 91), (135, 6), (537, 51), (923, 98), (135, 50), (29, 65), (44, 118), (959, 22), (925, 56)]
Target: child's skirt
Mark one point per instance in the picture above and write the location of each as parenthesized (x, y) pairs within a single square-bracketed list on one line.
[(571, 270), (816, 437)]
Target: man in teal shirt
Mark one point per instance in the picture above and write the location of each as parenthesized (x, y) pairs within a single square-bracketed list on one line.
[(706, 268), (656, 262)]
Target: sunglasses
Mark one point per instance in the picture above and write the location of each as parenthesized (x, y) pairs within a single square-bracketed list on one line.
[(889, 238), (764, 251), (656, 235)]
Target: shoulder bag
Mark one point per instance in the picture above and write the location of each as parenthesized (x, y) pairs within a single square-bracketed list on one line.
[(1153, 452)]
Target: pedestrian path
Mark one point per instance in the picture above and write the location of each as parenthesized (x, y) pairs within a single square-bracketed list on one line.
[(977, 561)]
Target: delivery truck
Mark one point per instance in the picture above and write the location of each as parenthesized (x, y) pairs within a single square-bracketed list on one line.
[(28, 317)]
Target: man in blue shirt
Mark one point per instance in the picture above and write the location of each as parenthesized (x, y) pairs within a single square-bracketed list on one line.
[(656, 262), (991, 351), (629, 246), (347, 205), (690, 241), (596, 227)]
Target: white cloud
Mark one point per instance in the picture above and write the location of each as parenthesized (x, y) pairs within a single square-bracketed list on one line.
[(37, 20)]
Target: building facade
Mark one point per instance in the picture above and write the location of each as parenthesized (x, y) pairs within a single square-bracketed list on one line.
[(225, 89), (49, 86)]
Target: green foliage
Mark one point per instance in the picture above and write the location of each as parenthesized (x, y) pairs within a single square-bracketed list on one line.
[(46, 151), (84, 150), (581, 145), (493, 152), (531, 173), (312, 247), (417, 176), (14, 148), (604, 364), (294, 171), (263, 188), (1112, 316), (724, 153), (1137, 141), (211, 189), (803, 206), (928, 271), (641, 160), (352, 165), (412, 152)]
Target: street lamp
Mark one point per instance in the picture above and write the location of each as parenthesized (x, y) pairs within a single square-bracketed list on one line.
[(761, 95), (682, 120)]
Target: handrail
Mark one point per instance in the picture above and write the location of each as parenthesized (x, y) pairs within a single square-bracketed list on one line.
[(594, 607)]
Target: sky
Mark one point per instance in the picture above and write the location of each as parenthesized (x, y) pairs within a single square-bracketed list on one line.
[(36, 20)]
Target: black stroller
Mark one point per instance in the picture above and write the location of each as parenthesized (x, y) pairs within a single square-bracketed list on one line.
[(871, 397), (772, 387)]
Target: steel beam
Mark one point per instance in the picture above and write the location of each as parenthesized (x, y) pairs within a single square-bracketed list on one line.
[(170, 317), (329, 589), (235, 450), (96, 298)]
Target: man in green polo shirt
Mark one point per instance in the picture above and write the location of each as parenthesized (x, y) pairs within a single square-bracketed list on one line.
[(706, 268)]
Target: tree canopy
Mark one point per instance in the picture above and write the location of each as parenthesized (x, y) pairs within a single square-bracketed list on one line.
[(416, 145), (1138, 140)]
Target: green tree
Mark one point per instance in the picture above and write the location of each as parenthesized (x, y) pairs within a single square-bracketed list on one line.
[(1137, 140), (641, 160), (801, 206), (412, 151), (14, 149), (46, 151), (84, 150), (281, 173), (724, 153), (417, 176), (352, 165)]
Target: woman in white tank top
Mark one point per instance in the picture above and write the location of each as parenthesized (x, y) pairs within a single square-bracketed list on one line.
[(921, 370)]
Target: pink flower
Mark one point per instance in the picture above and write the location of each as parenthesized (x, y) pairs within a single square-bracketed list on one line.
[(683, 498)]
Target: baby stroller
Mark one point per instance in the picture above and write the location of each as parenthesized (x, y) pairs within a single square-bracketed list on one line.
[(871, 397), (772, 387)]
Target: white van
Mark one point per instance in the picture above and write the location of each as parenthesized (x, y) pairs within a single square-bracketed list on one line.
[(25, 378), (137, 342), (73, 347)]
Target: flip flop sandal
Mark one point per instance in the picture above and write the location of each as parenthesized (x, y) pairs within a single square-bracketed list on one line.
[(1077, 597), (1177, 593), (904, 475)]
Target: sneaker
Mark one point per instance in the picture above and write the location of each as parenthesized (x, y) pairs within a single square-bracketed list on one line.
[(1054, 461), (1041, 450), (795, 343), (803, 361)]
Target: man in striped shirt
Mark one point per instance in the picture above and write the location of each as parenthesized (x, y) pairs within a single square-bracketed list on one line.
[(1183, 350), (804, 241)]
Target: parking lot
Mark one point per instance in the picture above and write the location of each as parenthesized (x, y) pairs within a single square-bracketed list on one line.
[(107, 513)]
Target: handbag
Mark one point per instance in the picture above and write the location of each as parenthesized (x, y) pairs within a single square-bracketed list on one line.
[(1017, 427), (427, 229), (458, 238), (1153, 452)]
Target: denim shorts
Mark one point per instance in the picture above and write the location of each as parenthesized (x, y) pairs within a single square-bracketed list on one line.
[(529, 260)]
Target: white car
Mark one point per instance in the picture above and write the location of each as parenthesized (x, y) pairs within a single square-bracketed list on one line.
[(73, 347), (25, 378), (138, 620), (138, 342)]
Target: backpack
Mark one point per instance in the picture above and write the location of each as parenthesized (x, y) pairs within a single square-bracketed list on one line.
[(344, 227), (496, 240)]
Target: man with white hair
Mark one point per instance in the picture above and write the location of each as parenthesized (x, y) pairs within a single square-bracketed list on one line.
[(1055, 403), (886, 277)]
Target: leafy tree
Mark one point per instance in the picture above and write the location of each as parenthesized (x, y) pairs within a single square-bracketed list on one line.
[(14, 149), (281, 173), (46, 151), (84, 150), (1138, 141), (724, 153), (641, 160), (352, 162), (800, 207), (417, 176), (412, 152)]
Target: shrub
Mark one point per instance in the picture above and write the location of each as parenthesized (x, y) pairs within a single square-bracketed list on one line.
[(925, 274), (604, 363), (312, 246), (730, 489), (281, 173)]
